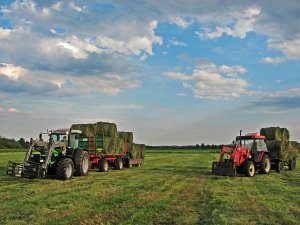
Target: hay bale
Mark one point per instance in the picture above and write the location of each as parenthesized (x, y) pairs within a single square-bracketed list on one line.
[(118, 146), (275, 133), (127, 135), (285, 134), (284, 150), (92, 129), (136, 151)]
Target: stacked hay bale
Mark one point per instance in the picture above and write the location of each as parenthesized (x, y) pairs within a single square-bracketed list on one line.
[(134, 151), (113, 139), (278, 143)]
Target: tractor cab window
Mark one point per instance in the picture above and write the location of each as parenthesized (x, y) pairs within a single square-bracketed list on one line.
[(261, 145), (248, 144), (59, 137), (245, 143)]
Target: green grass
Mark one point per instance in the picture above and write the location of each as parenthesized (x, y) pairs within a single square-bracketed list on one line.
[(168, 189)]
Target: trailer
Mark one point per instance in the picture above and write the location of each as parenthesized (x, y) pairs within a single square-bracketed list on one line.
[(100, 159)]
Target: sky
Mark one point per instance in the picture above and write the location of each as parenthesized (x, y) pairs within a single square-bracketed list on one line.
[(173, 72)]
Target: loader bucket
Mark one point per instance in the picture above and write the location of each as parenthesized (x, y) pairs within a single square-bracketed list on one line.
[(14, 169), (225, 168)]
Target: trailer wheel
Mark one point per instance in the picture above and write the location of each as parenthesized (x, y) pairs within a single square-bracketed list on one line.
[(292, 164), (128, 163), (265, 165), (103, 165), (249, 168), (279, 166), (82, 168), (65, 169), (119, 163)]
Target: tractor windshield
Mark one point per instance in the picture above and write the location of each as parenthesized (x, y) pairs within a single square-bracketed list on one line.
[(59, 137), (246, 143)]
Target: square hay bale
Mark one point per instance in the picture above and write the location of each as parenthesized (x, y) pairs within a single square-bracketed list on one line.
[(127, 135), (284, 150), (92, 129), (275, 133)]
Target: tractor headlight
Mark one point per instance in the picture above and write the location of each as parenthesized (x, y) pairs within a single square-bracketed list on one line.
[(41, 160)]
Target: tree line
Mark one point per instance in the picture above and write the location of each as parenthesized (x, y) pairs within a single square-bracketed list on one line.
[(197, 146), (10, 143)]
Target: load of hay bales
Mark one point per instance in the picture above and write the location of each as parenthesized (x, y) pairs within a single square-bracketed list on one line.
[(275, 133), (114, 140), (278, 143)]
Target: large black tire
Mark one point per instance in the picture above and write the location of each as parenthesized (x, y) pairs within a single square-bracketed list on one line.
[(119, 163), (249, 168), (103, 165), (82, 168), (128, 163), (65, 169), (265, 165), (292, 164), (279, 166)]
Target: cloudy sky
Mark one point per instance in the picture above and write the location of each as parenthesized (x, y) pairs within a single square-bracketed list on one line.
[(173, 72)]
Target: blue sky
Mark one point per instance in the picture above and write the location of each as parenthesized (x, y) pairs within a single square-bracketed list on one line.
[(173, 72)]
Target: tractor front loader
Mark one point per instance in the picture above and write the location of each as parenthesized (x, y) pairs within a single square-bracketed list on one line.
[(36, 161)]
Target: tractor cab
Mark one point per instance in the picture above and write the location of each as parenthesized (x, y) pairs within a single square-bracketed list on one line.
[(252, 141), (69, 136)]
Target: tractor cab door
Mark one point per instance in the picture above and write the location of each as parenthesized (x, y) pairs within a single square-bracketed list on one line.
[(259, 148)]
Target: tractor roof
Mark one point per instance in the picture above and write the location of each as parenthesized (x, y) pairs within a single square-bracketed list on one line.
[(251, 136), (64, 131)]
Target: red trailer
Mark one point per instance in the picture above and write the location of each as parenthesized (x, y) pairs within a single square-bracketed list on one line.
[(102, 158)]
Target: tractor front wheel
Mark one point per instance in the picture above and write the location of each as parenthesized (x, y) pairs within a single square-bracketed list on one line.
[(82, 168), (292, 164), (103, 165), (65, 169), (249, 168), (265, 165)]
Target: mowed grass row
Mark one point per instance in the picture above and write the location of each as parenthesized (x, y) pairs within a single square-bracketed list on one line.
[(170, 188)]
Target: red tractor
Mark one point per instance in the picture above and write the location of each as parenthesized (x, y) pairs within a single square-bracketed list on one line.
[(247, 155)]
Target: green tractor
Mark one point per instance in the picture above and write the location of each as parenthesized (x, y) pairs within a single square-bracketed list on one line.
[(59, 156)]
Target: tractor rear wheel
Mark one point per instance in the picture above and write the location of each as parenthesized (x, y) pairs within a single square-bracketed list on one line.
[(82, 168), (65, 169), (249, 168), (265, 165), (292, 164), (279, 166), (103, 165), (119, 163)]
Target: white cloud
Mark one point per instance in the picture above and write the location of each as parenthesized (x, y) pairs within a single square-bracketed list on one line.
[(76, 7), (243, 23), (4, 33), (11, 71), (57, 6), (270, 60), (209, 81), (181, 94), (178, 43), (177, 76), (291, 47), (183, 23), (13, 110)]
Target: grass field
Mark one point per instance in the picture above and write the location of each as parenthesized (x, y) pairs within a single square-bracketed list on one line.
[(170, 188)]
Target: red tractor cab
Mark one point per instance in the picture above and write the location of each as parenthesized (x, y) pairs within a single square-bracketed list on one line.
[(246, 155)]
